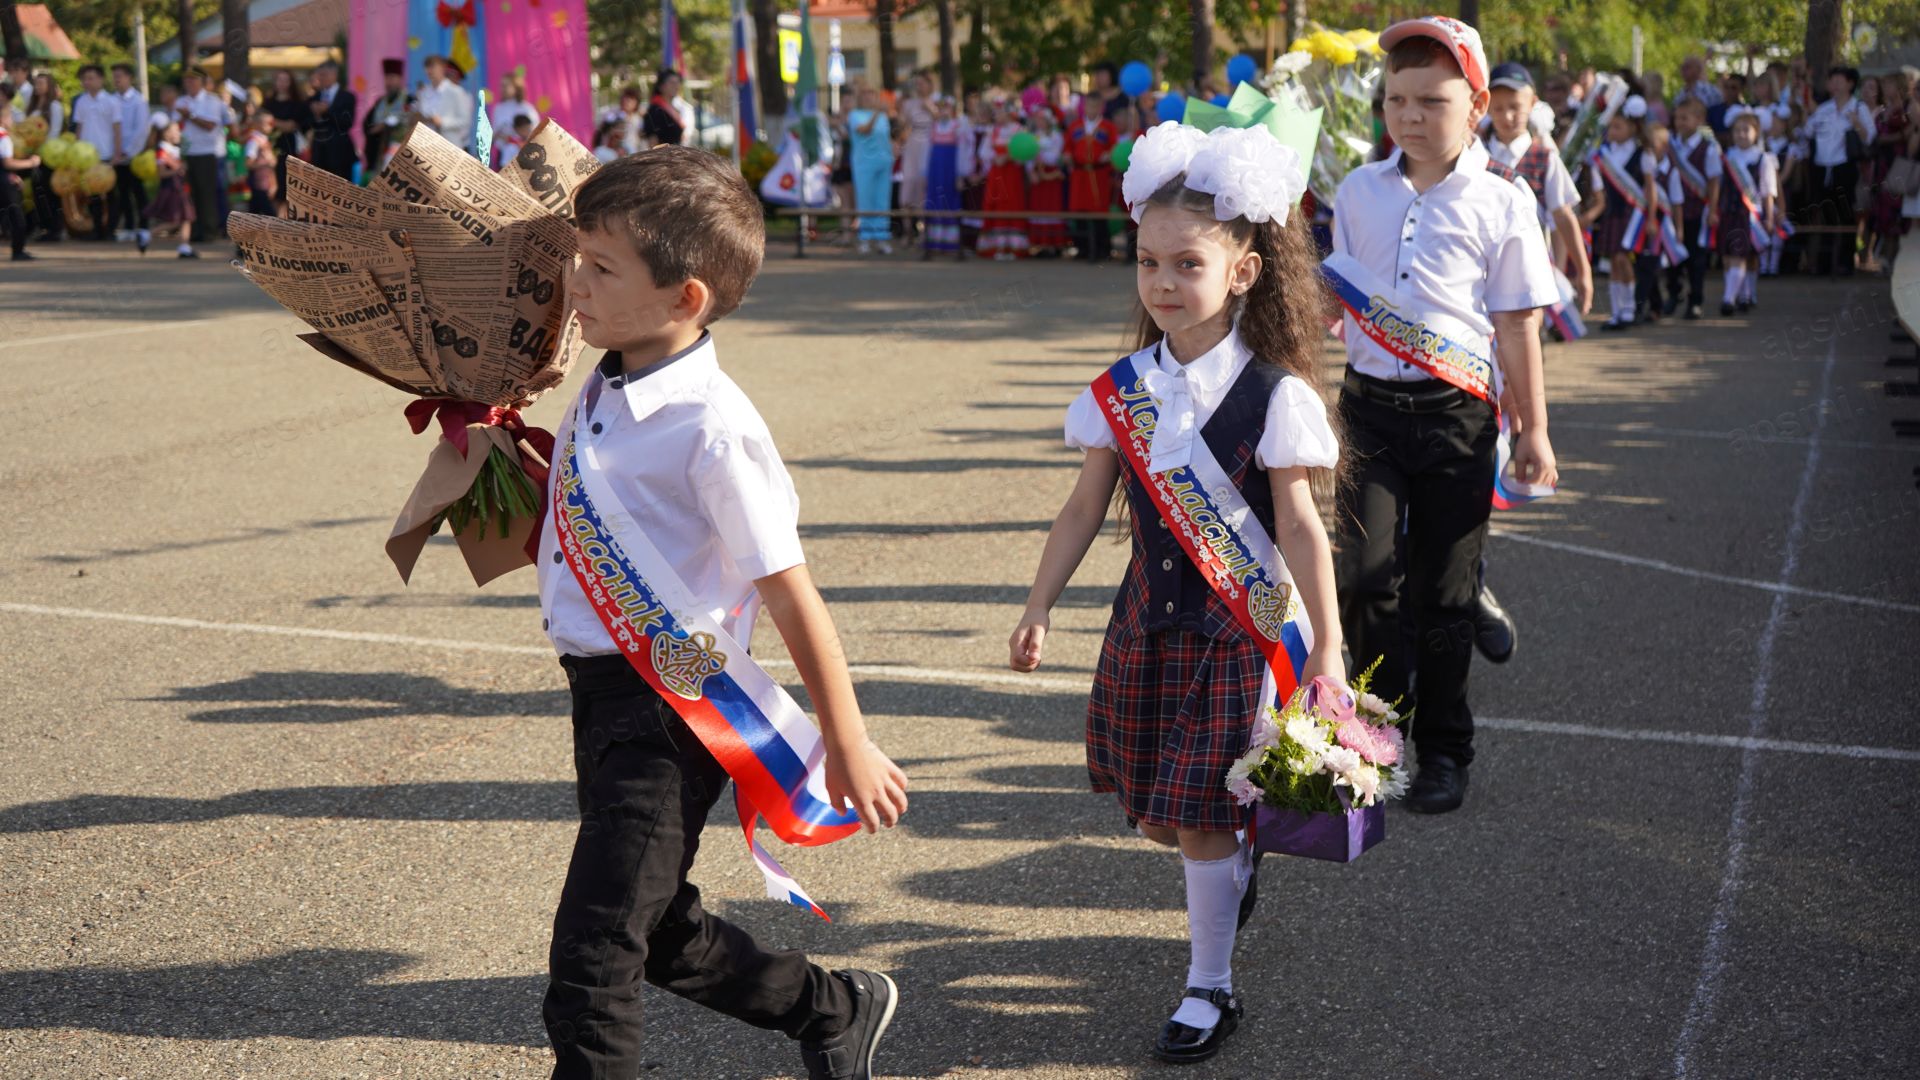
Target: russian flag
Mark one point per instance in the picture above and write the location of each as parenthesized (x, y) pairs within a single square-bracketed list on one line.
[(670, 54)]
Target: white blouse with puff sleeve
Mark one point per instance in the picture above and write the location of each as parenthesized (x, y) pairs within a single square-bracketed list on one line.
[(1297, 431)]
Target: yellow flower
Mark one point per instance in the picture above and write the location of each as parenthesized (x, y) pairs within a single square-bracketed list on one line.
[(1332, 47), (1365, 40), (1301, 45)]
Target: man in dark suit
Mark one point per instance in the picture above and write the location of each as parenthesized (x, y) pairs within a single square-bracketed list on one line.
[(334, 113)]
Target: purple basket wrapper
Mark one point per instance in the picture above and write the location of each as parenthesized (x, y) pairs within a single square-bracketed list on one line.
[(1319, 834)]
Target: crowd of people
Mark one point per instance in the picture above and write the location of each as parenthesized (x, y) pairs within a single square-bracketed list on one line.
[(1833, 142), (217, 148)]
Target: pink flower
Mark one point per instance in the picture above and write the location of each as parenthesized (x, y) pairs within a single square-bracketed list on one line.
[(1378, 745), (1243, 791)]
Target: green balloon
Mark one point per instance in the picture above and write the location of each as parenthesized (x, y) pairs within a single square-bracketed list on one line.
[(1023, 147), (1122, 154)]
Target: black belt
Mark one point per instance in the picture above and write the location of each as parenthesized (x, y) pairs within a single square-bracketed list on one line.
[(1425, 400)]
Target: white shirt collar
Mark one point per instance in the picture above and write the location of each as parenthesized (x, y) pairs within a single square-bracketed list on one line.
[(1209, 372), (1517, 148), (649, 389), (1472, 160)]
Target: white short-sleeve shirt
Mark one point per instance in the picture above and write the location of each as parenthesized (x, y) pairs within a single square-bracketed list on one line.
[(197, 141), (1468, 246), (1761, 169), (692, 461), (1296, 432), (1829, 126), (94, 117), (133, 121), (1557, 189)]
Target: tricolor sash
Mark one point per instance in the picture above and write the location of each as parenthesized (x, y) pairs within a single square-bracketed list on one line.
[(746, 721), (1667, 243), (1635, 238), (1445, 347), (1442, 345), (1744, 186), (1215, 526), (1695, 182)]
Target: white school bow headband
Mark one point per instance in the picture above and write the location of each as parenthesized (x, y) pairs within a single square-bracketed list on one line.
[(1246, 170)]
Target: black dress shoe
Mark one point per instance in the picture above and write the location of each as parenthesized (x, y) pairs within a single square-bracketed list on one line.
[(1672, 305), (1252, 895), (1726, 309), (849, 1055), (1493, 631), (1440, 787), (1180, 1044)]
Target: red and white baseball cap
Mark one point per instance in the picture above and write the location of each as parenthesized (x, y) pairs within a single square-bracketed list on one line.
[(1461, 40)]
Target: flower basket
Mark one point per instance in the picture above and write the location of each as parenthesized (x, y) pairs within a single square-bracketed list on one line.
[(1318, 834)]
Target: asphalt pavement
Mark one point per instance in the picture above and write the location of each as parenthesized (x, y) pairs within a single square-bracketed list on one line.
[(268, 812)]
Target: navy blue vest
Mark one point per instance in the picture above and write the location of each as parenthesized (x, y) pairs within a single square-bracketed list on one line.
[(1618, 203), (1163, 590)]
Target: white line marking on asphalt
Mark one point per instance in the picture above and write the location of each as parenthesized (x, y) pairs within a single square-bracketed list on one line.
[(1031, 683), (144, 328), (1714, 955), (1778, 588)]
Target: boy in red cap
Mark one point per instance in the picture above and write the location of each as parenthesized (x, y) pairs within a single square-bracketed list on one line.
[(1436, 249)]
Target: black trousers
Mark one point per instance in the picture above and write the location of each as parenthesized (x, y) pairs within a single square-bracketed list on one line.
[(627, 912), (1646, 285), (1832, 253), (203, 177), (129, 199), (46, 205), (1094, 238), (13, 213), (1695, 268), (1414, 517)]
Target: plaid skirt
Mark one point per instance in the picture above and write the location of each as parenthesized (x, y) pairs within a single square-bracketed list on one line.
[(1608, 230), (1169, 714)]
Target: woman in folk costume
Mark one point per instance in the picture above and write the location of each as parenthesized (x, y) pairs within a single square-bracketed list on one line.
[(947, 138), (1749, 203), (1090, 143), (872, 137), (1005, 189), (1619, 165), (1046, 185), (1229, 360)]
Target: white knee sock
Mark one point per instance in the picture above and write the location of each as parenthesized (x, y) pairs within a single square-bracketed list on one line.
[(1735, 275), (1213, 914), (1622, 301)]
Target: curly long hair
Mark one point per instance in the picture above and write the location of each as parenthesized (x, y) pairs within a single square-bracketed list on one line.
[(1282, 318)]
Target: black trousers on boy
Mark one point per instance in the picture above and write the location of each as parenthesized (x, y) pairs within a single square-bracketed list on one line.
[(1415, 517), (129, 199), (46, 205), (1646, 286), (203, 181), (1695, 268), (12, 213), (1832, 253), (627, 913)]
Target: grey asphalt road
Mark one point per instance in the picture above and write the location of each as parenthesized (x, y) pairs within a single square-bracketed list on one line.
[(254, 822)]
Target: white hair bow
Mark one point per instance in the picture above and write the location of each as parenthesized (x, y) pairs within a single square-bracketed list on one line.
[(1246, 170)]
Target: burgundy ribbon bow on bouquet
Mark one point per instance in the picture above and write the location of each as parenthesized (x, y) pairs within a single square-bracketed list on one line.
[(506, 487), (448, 14)]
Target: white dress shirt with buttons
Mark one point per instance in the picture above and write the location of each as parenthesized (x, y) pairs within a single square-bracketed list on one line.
[(1683, 148), (1296, 433), (1829, 126), (196, 141), (133, 122), (1468, 246), (94, 116), (1557, 190), (692, 461)]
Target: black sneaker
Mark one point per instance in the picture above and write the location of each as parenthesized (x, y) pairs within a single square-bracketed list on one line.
[(1439, 788), (1743, 306), (24, 256), (849, 1055)]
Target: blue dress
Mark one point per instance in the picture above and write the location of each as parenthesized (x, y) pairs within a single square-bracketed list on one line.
[(872, 172)]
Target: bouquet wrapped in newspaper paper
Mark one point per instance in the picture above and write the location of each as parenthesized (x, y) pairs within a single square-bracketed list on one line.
[(446, 281), (1334, 73), (1321, 770)]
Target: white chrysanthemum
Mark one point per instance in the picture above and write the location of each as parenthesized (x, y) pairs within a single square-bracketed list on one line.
[(1292, 63), (1308, 734), (1158, 156), (1365, 782), (1373, 705), (1266, 733), (1249, 174), (1244, 765), (1394, 784), (1340, 760)]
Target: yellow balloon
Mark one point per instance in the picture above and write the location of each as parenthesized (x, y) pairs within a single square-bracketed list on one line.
[(98, 179)]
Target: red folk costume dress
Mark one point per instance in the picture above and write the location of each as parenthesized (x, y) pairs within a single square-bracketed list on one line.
[(1089, 144), (1048, 191), (1006, 189)]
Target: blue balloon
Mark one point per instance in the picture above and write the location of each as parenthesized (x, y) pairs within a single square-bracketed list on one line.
[(1172, 107), (1221, 100), (1240, 69), (1136, 78)]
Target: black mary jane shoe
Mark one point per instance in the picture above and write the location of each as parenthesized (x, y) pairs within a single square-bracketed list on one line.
[(1180, 1044)]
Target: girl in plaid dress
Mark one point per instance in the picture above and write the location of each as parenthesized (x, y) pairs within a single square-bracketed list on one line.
[(1234, 368), (1609, 212)]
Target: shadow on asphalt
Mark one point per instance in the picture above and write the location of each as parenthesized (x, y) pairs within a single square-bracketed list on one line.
[(326, 697)]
